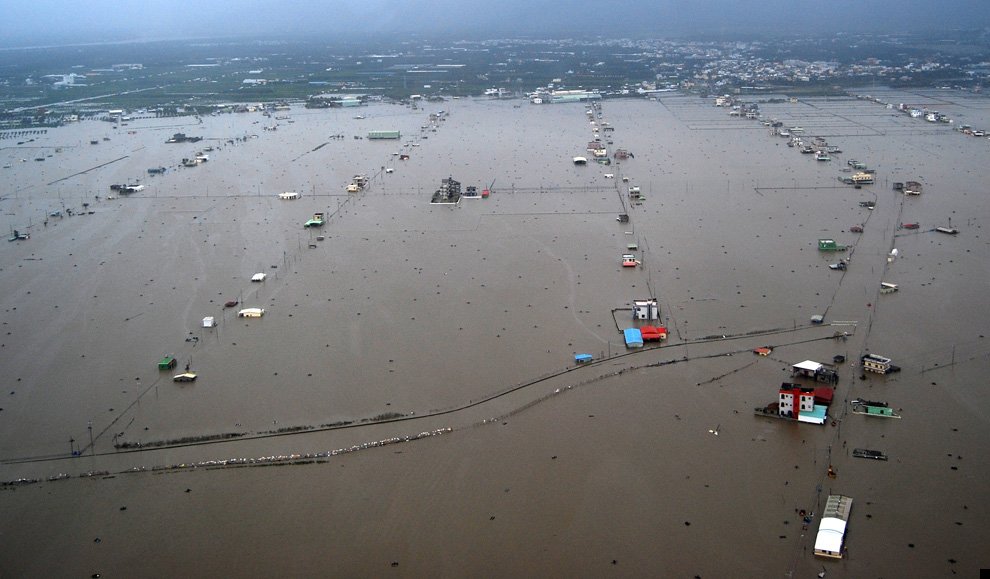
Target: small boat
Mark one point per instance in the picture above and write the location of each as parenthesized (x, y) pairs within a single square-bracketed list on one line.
[(230, 304), (910, 225), (867, 453), (184, 377), (856, 229), (582, 358), (949, 230)]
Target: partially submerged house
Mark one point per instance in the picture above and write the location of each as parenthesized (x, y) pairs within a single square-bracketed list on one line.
[(633, 338), (798, 402), (830, 245), (381, 135), (832, 528), (878, 364), (448, 193), (646, 309), (816, 371), (653, 333)]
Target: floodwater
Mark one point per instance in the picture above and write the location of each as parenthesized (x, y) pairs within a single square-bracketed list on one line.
[(464, 320)]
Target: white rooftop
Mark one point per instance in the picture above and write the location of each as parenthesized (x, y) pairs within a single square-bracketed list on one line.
[(809, 365), (830, 533)]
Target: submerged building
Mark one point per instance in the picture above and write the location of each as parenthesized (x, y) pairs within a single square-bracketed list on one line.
[(646, 309), (449, 191), (564, 96), (379, 135), (798, 403), (832, 528)]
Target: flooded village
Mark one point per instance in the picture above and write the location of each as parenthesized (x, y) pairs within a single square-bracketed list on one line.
[(500, 336)]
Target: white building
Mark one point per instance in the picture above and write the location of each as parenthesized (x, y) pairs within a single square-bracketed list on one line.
[(832, 529), (646, 309), (876, 363), (794, 399)]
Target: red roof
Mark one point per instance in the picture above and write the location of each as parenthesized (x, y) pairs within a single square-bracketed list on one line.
[(823, 396), (650, 333), (653, 332)]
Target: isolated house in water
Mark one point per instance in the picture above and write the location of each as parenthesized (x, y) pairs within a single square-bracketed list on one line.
[(799, 403), (816, 371), (878, 364), (633, 337), (653, 333), (832, 528), (449, 191), (646, 309)]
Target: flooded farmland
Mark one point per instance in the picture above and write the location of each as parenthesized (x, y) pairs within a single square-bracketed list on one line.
[(413, 373)]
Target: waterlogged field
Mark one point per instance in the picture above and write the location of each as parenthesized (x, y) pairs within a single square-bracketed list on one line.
[(414, 369)]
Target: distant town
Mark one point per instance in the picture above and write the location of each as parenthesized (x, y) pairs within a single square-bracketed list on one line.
[(51, 86)]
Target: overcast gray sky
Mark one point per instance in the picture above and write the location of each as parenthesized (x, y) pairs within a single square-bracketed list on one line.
[(44, 21)]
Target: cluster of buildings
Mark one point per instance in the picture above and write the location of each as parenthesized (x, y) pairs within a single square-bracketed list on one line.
[(578, 69), (809, 403), (801, 402), (647, 310)]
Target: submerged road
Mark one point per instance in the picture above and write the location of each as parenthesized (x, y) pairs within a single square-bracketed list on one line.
[(490, 409)]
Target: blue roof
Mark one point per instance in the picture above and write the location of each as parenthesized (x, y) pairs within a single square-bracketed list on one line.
[(816, 416), (634, 338)]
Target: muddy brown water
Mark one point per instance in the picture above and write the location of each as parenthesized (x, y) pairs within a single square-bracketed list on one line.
[(410, 308)]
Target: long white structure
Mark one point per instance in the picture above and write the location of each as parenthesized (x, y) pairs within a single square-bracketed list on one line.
[(832, 529)]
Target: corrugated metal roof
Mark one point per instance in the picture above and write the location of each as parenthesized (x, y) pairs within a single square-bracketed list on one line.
[(814, 416), (634, 338), (809, 365), (832, 528)]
